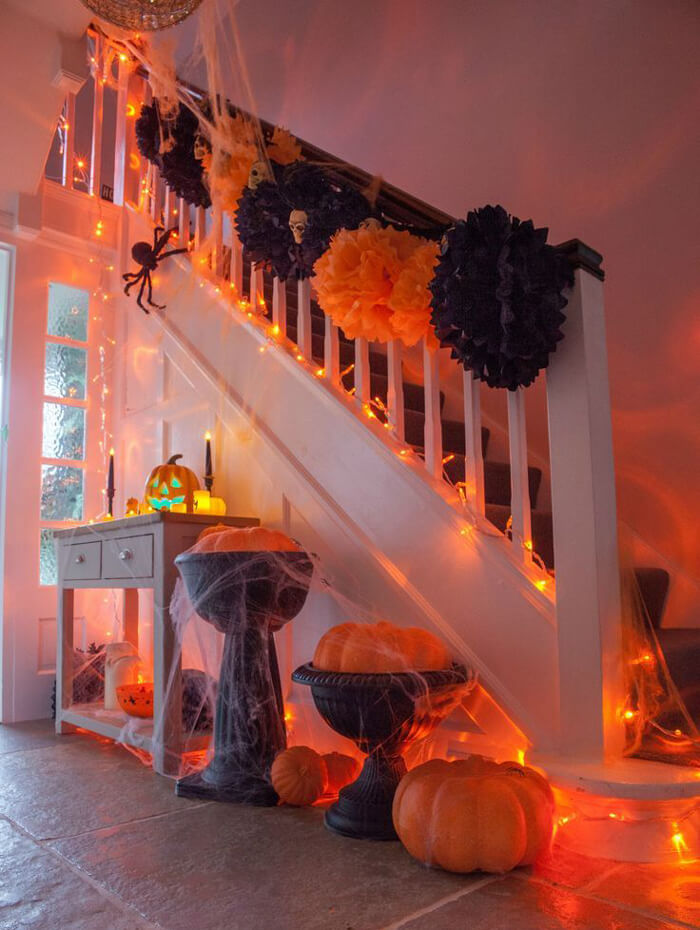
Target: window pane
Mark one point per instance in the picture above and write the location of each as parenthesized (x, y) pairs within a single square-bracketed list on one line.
[(48, 572), (61, 493), (68, 312), (64, 374), (64, 432)]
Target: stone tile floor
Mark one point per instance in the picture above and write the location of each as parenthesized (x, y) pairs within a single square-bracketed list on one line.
[(90, 839)]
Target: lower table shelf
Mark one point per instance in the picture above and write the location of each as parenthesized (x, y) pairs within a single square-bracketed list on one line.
[(113, 725)]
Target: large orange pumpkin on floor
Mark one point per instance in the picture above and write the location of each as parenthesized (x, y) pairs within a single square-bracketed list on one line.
[(221, 538), (341, 770), (171, 484), (474, 814), (379, 647), (299, 776)]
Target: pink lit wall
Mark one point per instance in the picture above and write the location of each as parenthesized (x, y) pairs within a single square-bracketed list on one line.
[(581, 115)]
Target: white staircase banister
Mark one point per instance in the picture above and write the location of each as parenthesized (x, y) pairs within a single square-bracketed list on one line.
[(585, 522)]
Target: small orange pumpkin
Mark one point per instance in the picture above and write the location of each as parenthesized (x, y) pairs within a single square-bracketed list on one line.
[(380, 647), (136, 699), (221, 538), (170, 484), (341, 769), (474, 814), (299, 776)]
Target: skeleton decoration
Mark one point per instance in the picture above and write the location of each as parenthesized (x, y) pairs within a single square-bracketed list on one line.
[(148, 258), (202, 148), (298, 220), (371, 222), (259, 171)]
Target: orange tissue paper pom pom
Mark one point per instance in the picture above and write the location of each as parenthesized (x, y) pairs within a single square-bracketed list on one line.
[(283, 149), (356, 280)]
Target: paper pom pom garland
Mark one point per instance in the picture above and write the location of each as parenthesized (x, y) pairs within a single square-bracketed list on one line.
[(373, 281), (170, 145), (497, 297), (321, 206)]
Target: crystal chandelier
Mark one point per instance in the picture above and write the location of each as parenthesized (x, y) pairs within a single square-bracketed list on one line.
[(143, 15)]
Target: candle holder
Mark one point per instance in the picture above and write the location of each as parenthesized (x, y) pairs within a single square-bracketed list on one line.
[(383, 713), (247, 596)]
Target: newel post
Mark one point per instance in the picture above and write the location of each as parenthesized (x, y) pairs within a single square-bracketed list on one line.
[(585, 522)]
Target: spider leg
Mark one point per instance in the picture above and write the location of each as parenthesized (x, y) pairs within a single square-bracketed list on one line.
[(150, 295), (156, 231), (132, 278), (162, 241), (138, 299)]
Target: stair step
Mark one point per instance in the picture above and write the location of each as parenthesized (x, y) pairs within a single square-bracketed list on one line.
[(496, 480), (542, 535), (413, 394), (453, 439)]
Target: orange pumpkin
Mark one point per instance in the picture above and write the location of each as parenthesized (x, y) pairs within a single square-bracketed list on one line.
[(136, 699), (299, 776), (222, 538), (171, 484), (474, 814), (380, 647), (341, 769)]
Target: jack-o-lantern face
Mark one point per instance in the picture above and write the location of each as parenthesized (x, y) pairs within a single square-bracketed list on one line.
[(171, 484)]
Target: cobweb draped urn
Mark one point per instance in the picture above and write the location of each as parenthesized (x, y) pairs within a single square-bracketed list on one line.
[(247, 595), (143, 15), (374, 692)]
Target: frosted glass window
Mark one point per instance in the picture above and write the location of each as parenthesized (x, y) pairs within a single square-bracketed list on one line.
[(48, 570), (68, 312), (64, 432), (61, 492), (65, 371)]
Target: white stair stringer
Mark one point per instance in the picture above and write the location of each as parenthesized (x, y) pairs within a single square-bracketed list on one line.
[(468, 587)]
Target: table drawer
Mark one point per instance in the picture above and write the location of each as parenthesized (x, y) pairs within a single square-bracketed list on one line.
[(127, 557), (81, 561)]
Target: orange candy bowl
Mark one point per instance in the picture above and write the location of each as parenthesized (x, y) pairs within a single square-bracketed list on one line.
[(136, 700)]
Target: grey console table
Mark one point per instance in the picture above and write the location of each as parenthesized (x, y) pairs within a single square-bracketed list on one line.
[(136, 552)]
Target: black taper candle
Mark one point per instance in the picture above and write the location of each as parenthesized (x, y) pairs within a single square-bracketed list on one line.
[(208, 471), (110, 484)]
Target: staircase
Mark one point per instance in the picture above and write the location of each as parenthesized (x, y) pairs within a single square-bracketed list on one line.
[(348, 432)]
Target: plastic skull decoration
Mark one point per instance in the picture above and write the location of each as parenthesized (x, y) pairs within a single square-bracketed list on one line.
[(202, 149), (298, 220), (370, 223), (259, 171)]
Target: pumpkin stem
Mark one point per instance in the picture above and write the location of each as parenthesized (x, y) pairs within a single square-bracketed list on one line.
[(173, 459)]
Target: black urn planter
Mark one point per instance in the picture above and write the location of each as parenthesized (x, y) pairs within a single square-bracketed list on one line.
[(247, 596), (383, 714)]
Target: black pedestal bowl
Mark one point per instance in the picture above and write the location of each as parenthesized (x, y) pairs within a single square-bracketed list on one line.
[(247, 596), (383, 714)]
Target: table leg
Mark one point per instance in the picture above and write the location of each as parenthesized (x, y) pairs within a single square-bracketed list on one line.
[(167, 679), (131, 616), (64, 664)]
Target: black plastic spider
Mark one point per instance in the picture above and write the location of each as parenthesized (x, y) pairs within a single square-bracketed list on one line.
[(148, 258)]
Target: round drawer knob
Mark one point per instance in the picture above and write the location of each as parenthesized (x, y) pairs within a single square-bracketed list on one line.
[(125, 555), (79, 559)]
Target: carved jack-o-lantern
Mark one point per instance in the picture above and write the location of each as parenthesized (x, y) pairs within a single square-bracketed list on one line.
[(298, 221), (171, 484), (259, 171)]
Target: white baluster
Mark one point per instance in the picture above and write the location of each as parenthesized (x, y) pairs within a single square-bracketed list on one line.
[(236, 264), (157, 198), (218, 244), (168, 206), (200, 227), (183, 226), (120, 133), (394, 399), (68, 167), (97, 120), (433, 424), (304, 340), (362, 372), (279, 306), (473, 444), (257, 292), (519, 487), (331, 351)]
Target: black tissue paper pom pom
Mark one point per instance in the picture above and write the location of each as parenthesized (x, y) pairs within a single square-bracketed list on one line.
[(262, 218), (180, 170), (497, 297)]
